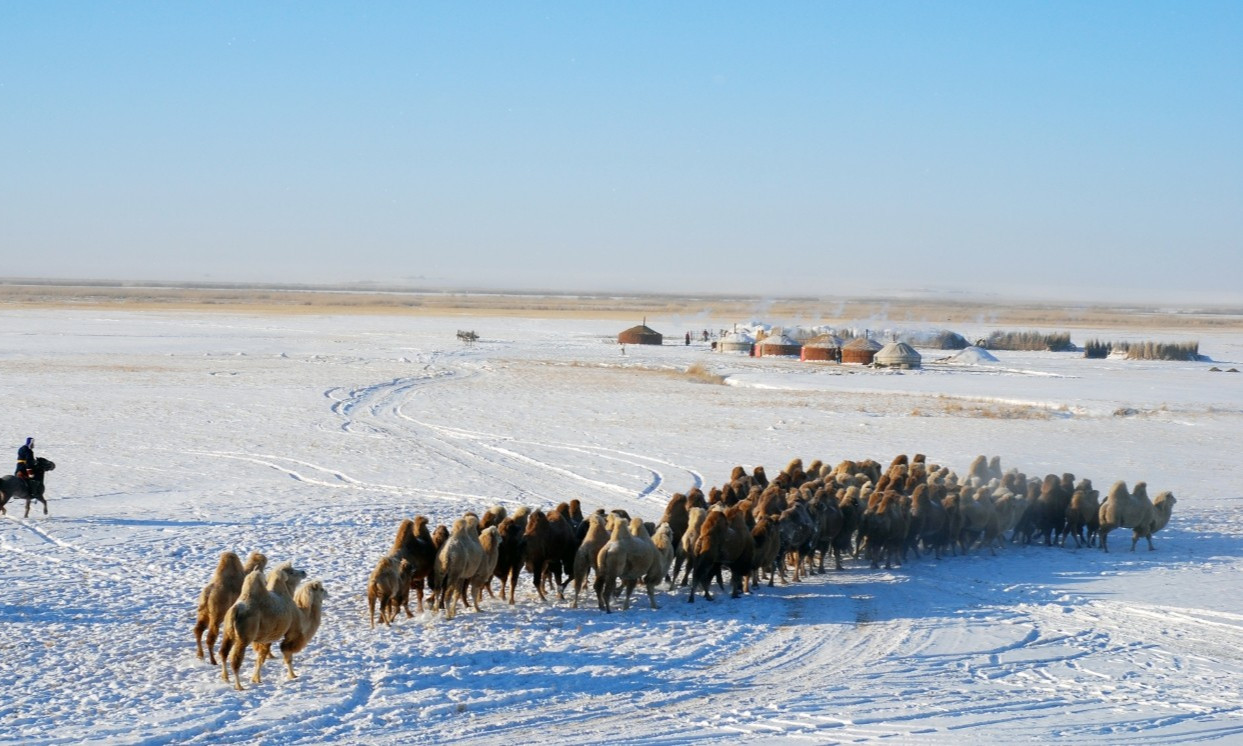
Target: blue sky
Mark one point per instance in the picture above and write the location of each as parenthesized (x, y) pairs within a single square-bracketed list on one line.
[(1013, 148)]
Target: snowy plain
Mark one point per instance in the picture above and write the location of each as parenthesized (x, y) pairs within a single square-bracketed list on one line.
[(180, 435)]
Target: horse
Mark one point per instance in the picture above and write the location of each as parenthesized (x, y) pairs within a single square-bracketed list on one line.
[(14, 488)]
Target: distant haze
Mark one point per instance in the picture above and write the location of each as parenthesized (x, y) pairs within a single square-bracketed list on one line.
[(1087, 150)]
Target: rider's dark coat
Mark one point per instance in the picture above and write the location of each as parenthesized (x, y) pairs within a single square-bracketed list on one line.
[(25, 459)]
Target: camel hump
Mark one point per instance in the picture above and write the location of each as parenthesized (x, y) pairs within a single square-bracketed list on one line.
[(253, 585)]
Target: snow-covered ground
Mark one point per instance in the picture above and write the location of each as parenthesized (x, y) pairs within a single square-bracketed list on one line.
[(178, 436)]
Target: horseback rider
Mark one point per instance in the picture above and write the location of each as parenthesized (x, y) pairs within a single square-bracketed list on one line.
[(26, 464)]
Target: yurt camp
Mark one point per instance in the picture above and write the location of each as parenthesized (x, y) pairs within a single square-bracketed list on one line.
[(738, 342), (897, 355), (777, 345), (826, 347), (860, 350), (640, 335)]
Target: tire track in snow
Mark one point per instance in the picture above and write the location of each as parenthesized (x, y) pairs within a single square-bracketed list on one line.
[(384, 403), (126, 573), (343, 481)]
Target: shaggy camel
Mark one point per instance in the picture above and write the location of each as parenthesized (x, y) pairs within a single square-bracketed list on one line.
[(643, 563), (493, 517), (767, 539), (883, 528), (709, 544), (219, 594), (589, 549), (550, 549), (929, 519), (384, 588), (611, 562), (667, 547), (490, 541), (798, 535), (1083, 516), (1050, 509), (739, 551), (677, 515), (829, 524), (415, 544), (510, 555), (1143, 516), (979, 518), (694, 522), (262, 615), (309, 600), (456, 563), (1123, 509)]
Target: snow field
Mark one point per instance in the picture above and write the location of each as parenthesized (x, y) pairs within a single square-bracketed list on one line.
[(178, 436)]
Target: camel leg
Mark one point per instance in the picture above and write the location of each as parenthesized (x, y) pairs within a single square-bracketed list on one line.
[(578, 589), (236, 655), (261, 654), (225, 646), (212, 634), (539, 582), (629, 585), (603, 590), (288, 654), (199, 627)]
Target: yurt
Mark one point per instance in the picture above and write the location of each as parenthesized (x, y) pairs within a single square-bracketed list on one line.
[(897, 355), (777, 344), (737, 342), (640, 335), (860, 350), (824, 347)]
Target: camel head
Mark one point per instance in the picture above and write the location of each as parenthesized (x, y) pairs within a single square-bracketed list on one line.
[(311, 593), (287, 575)]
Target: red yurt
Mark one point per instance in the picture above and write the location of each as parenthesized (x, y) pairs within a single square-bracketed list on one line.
[(827, 347), (640, 335), (860, 350), (777, 345)]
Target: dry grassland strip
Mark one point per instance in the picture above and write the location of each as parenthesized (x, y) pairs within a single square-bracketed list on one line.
[(829, 310)]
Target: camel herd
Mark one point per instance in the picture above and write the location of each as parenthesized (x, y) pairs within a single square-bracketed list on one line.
[(754, 527), (257, 610)]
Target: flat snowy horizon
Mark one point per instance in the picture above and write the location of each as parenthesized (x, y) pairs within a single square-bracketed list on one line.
[(180, 435)]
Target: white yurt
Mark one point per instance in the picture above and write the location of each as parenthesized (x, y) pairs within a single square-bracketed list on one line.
[(897, 355), (737, 342)]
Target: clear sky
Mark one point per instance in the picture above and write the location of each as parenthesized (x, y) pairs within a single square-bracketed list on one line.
[(767, 148)]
